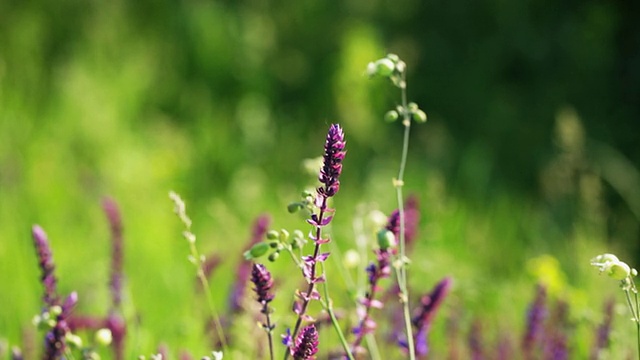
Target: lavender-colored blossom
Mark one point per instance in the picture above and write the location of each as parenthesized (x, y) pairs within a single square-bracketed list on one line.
[(115, 224), (329, 173), (114, 321), (556, 338), (411, 221), (332, 161), (603, 333), (261, 278), (47, 266), (535, 322), (244, 269), (55, 339), (306, 344), (424, 315)]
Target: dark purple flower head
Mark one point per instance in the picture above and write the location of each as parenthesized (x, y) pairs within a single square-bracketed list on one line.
[(603, 333), (332, 161), (430, 303), (47, 266), (424, 315), (244, 268), (393, 223), (535, 321), (306, 345), (263, 282)]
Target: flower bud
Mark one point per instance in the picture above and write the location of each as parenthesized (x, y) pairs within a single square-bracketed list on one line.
[(386, 239), (384, 67), (619, 270), (274, 256), (393, 57), (73, 340), (284, 235), (256, 251), (294, 207), (391, 116), (419, 116), (272, 235)]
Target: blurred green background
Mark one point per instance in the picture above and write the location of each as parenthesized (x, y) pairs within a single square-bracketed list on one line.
[(530, 148)]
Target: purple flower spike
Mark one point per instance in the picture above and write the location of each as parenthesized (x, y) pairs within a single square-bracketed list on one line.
[(115, 224), (244, 269), (332, 161), (603, 333), (306, 345), (263, 282), (47, 266), (535, 322), (429, 305)]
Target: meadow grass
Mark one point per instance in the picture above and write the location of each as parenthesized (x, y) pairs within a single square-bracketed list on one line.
[(494, 249)]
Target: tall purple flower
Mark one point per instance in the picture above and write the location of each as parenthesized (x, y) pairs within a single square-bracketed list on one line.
[(115, 224), (332, 161), (244, 269), (114, 321), (603, 333), (376, 271), (535, 323), (329, 177), (47, 266), (55, 339), (261, 279), (423, 317), (306, 344)]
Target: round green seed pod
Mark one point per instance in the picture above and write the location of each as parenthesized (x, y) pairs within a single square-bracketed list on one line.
[(419, 116), (386, 239), (385, 67), (391, 116), (619, 270), (274, 256), (273, 235)]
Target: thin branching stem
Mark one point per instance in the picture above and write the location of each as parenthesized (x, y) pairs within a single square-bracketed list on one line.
[(401, 272)]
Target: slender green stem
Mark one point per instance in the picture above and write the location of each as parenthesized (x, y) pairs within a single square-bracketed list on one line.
[(312, 283), (328, 305), (401, 272), (205, 285)]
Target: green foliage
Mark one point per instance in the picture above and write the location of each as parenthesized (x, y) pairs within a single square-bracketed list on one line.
[(222, 100)]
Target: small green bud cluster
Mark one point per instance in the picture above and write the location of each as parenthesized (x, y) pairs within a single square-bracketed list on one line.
[(612, 266), (390, 67), (306, 203), (411, 112), (276, 241)]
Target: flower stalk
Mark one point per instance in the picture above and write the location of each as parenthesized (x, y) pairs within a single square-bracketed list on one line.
[(329, 178)]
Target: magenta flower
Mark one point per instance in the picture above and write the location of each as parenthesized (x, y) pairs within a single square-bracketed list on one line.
[(306, 344), (47, 266), (332, 164)]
